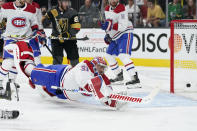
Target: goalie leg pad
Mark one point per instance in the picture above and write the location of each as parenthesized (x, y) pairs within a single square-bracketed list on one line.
[(25, 51)]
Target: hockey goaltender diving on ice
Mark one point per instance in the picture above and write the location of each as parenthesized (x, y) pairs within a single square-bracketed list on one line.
[(87, 78)]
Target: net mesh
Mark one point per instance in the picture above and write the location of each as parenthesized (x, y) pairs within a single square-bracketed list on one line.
[(185, 56)]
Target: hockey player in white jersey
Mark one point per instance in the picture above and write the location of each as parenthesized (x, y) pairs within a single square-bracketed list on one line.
[(86, 79), (34, 43), (21, 22), (65, 82), (119, 37)]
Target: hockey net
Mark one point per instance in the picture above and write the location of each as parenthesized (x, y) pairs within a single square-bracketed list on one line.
[(183, 46)]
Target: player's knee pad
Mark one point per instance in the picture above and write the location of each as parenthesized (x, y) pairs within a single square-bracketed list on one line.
[(125, 58), (110, 59)]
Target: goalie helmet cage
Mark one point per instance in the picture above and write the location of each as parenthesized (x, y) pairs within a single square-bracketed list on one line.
[(178, 26)]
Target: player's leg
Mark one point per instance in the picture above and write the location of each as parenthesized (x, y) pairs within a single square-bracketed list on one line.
[(49, 77), (113, 64), (7, 63), (12, 74), (5, 91), (57, 50), (72, 52), (4, 70), (125, 48), (36, 50)]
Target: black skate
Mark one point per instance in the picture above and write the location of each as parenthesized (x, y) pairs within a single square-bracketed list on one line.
[(5, 94), (9, 114), (118, 78), (135, 83)]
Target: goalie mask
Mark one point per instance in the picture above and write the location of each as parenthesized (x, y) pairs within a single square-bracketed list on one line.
[(100, 65)]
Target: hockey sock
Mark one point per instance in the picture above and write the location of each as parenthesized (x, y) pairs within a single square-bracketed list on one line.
[(128, 64), (113, 64)]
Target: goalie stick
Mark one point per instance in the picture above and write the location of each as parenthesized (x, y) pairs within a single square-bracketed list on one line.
[(125, 98)]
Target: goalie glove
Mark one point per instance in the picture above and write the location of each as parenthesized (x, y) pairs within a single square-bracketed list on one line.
[(101, 91)]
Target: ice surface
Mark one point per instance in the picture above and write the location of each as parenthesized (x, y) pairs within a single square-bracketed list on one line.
[(167, 112)]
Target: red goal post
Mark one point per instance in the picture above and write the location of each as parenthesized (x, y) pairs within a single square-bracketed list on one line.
[(175, 24)]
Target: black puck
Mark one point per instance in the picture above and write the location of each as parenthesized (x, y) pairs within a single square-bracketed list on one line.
[(188, 85)]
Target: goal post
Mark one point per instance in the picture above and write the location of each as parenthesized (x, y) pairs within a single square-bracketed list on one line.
[(183, 55)]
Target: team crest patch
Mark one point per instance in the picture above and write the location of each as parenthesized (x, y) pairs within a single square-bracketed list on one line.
[(19, 22)]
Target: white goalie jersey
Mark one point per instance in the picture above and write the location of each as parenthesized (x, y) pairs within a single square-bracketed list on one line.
[(20, 21)]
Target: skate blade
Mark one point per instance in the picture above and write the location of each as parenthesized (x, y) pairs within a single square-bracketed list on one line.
[(134, 86), (118, 83)]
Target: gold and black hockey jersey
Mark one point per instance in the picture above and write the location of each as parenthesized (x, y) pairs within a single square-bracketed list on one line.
[(64, 24)]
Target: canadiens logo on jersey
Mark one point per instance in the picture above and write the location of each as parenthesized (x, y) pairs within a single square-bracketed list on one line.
[(19, 22)]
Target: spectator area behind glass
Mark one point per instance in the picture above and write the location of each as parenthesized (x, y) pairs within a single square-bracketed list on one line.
[(143, 13)]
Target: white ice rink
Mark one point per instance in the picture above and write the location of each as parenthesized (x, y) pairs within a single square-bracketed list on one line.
[(167, 112)]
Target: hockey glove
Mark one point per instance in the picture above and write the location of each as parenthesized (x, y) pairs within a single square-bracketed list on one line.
[(41, 36), (99, 88), (107, 26), (107, 39)]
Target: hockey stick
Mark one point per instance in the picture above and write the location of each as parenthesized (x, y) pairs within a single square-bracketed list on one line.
[(51, 53), (17, 95), (57, 38), (124, 98)]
